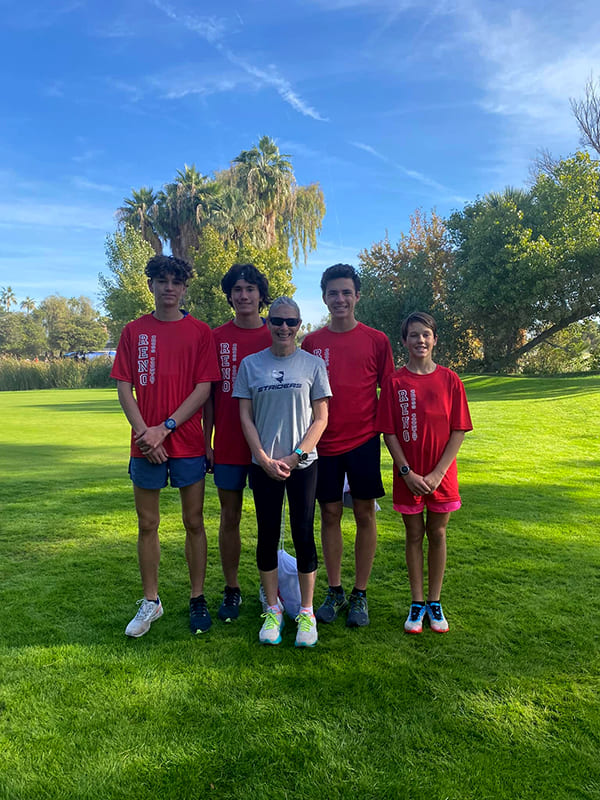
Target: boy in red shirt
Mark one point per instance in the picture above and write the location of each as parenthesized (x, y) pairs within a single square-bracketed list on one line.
[(168, 359), (229, 457), (423, 414), (358, 358)]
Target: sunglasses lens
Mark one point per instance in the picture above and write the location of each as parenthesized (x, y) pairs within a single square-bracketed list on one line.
[(291, 322)]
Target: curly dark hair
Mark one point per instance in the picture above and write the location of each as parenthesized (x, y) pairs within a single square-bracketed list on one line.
[(158, 266), (339, 271), (249, 273)]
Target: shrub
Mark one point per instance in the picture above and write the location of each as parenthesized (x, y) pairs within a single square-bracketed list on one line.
[(64, 373)]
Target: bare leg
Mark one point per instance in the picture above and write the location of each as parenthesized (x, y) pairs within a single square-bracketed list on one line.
[(307, 587), (366, 540), (270, 584), (147, 506), (331, 540), (192, 506), (436, 552), (230, 544), (415, 532)]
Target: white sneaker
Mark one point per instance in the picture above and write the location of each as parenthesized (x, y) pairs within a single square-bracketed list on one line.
[(307, 630), (270, 633), (148, 611)]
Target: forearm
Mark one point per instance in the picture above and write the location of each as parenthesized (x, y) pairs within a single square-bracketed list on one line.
[(395, 449), (208, 419), (192, 403), (130, 407), (450, 451)]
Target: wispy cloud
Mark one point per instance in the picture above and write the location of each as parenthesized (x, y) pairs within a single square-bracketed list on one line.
[(55, 215), (214, 30), (83, 183), (410, 173)]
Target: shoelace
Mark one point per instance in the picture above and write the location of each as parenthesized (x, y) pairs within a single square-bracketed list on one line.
[(436, 611), (330, 599), (199, 607), (415, 612), (272, 620), (358, 601), (305, 622), (146, 609), (231, 597)]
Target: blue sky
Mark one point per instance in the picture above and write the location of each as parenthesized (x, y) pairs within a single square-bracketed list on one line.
[(390, 104)]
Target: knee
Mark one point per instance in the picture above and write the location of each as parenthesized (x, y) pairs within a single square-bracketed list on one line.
[(436, 536), (364, 512), (230, 517), (331, 514), (193, 522), (148, 523)]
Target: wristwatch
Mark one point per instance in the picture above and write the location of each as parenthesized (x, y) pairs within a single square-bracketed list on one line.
[(404, 470), (301, 454), (170, 424)]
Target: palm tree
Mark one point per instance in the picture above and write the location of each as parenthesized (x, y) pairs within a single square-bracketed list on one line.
[(28, 305), (233, 217), (140, 211), (184, 207), (266, 176), (7, 298)]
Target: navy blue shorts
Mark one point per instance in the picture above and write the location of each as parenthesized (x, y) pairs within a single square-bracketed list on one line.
[(232, 477), (181, 471)]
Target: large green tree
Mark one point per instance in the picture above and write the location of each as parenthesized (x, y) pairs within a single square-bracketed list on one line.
[(412, 276), (256, 199), (71, 324), (527, 263), (124, 291), (7, 298), (211, 261)]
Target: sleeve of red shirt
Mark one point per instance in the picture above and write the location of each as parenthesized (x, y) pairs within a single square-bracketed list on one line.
[(385, 416), (460, 416), (121, 369), (385, 359), (207, 365)]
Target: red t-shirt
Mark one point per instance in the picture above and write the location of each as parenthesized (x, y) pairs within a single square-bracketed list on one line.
[(165, 361), (422, 411), (232, 345), (357, 362)]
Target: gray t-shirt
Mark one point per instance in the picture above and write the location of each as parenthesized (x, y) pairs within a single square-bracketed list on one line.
[(282, 390)]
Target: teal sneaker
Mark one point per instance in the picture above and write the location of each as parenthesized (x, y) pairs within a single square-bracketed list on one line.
[(334, 603), (358, 614), (307, 630), (270, 633)]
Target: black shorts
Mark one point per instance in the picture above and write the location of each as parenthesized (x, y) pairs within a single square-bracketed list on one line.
[(363, 467)]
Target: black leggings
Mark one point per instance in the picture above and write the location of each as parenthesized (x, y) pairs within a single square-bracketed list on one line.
[(268, 502)]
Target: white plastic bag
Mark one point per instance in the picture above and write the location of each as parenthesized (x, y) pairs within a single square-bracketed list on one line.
[(289, 586)]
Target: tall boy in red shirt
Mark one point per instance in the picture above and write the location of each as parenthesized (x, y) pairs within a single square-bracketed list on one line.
[(247, 292), (358, 359), (164, 366)]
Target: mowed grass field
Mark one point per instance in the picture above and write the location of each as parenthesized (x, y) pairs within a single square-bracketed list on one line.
[(506, 705)]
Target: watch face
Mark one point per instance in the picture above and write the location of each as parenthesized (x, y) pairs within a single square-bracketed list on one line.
[(170, 424), (404, 470), (304, 456)]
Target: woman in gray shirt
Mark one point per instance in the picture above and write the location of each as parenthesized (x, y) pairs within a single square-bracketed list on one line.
[(283, 393)]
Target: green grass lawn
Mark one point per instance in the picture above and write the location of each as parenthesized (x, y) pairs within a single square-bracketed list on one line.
[(504, 706)]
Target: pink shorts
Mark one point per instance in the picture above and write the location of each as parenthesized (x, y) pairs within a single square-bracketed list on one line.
[(432, 505)]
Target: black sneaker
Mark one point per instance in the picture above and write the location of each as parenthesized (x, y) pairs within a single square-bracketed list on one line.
[(200, 620), (230, 607), (332, 605), (358, 615)]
